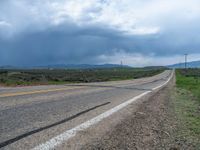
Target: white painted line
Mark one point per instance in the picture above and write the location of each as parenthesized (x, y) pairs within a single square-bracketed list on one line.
[(55, 141), (165, 82)]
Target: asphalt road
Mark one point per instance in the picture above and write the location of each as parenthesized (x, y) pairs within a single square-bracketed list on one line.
[(31, 115)]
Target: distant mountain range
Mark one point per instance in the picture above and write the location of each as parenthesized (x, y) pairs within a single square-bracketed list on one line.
[(68, 66), (192, 64)]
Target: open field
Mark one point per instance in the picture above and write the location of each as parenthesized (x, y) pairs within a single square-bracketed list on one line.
[(189, 80), (186, 103), (58, 76)]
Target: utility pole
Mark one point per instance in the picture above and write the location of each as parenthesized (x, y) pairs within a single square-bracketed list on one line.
[(186, 60), (121, 64)]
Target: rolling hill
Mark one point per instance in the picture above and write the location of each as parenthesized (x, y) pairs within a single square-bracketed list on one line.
[(67, 66), (192, 64)]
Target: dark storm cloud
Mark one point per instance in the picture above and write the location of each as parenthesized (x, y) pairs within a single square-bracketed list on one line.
[(73, 44), (69, 45), (68, 31)]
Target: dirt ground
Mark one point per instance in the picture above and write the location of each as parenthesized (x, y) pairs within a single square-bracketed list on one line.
[(153, 126)]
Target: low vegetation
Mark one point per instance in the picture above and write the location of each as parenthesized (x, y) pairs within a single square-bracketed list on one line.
[(187, 106), (190, 80), (61, 76)]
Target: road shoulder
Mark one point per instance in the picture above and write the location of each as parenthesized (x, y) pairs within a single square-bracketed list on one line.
[(143, 124), (150, 126), (159, 122)]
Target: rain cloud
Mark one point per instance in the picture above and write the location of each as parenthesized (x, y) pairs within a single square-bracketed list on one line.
[(139, 32)]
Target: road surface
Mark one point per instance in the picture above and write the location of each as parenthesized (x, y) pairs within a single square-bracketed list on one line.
[(30, 116)]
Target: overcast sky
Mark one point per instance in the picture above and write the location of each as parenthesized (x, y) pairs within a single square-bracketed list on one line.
[(137, 32)]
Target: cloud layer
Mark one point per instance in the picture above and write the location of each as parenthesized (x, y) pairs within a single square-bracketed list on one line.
[(139, 32)]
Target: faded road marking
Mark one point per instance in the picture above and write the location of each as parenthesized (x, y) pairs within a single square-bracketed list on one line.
[(33, 92)]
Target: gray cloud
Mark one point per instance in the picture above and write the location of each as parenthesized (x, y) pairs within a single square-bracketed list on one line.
[(84, 45), (55, 36)]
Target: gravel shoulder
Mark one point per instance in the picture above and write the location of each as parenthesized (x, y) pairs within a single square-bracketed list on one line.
[(154, 124), (150, 126)]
